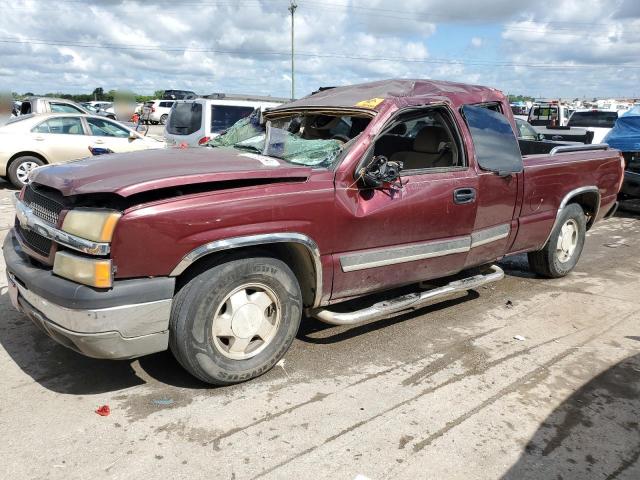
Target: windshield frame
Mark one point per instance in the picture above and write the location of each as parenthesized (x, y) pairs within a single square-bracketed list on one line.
[(270, 115)]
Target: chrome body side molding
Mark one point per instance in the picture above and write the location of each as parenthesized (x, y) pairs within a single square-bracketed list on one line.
[(488, 235), (30, 221), (253, 240), (381, 257), (405, 253)]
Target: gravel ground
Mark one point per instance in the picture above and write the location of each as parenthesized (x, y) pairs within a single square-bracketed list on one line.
[(447, 392)]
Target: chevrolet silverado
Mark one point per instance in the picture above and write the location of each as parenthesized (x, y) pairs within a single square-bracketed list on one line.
[(218, 252)]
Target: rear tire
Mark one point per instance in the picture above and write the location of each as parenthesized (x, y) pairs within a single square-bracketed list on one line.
[(561, 253), (19, 169), (234, 321)]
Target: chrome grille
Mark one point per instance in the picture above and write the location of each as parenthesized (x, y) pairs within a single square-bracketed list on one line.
[(47, 204), (44, 204), (34, 241)]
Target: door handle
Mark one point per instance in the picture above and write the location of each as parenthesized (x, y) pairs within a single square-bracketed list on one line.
[(100, 142), (39, 139), (462, 196)]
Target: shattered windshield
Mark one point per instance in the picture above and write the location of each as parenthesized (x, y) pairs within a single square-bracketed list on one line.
[(312, 140)]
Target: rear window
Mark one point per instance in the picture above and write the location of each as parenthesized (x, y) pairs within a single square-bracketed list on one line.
[(542, 115), (593, 119), (185, 119), (224, 116), (165, 104)]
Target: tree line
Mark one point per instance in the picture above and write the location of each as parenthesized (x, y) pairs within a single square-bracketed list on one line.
[(98, 94)]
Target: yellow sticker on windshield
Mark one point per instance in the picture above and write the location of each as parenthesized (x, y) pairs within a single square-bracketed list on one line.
[(371, 103)]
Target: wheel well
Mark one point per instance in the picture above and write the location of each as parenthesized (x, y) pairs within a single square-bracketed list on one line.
[(295, 255), (25, 154), (590, 203)]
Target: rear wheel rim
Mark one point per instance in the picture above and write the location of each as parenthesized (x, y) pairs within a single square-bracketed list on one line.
[(23, 170), (246, 321), (567, 241)]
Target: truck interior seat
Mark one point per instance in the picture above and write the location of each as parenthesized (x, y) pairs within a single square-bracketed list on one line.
[(431, 149)]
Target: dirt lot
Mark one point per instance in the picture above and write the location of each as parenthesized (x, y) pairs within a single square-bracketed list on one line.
[(444, 393)]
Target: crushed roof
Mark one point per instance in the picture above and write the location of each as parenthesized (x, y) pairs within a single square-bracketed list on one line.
[(372, 95)]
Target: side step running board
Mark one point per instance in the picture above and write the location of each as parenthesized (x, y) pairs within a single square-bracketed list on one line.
[(406, 303)]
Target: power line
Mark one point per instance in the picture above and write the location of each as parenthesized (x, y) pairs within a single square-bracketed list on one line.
[(159, 48)]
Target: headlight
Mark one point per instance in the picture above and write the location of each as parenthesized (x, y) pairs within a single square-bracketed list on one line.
[(95, 225), (95, 273)]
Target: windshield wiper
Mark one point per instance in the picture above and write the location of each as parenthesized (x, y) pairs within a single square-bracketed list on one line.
[(247, 147)]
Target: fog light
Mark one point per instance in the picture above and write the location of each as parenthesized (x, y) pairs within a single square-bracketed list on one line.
[(95, 273)]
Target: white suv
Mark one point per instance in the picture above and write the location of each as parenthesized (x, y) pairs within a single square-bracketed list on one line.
[(157, 111), (195, 122)]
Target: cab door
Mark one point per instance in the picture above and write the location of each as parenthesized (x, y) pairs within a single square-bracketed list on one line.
[(420, 227), (499, 167)]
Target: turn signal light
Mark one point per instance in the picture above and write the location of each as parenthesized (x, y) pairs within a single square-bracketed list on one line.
[(95, 273)]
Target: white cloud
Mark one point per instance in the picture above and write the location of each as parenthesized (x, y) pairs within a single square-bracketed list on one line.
[(230, 46)]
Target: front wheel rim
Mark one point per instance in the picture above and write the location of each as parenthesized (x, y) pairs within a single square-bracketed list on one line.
[(23, 170), (567, 241), (246, 321)]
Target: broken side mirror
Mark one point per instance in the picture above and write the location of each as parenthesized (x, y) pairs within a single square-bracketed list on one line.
[(380, 171)]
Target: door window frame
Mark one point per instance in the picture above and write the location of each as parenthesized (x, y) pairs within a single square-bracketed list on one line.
[(61, 117), (87, 127), (454, 131)]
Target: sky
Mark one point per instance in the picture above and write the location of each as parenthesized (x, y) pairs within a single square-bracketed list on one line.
[(541, 48)]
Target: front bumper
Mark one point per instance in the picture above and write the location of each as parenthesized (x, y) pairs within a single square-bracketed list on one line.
[(127, 321)]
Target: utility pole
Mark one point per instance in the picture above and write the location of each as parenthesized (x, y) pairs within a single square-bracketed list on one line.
[(292, 8)]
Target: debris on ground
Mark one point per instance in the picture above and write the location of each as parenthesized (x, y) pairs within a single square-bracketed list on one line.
[(103, 411), (509, 304), (519, 337), (280, 364)]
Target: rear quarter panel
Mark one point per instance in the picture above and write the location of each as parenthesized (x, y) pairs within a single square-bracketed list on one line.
[(549, 178)]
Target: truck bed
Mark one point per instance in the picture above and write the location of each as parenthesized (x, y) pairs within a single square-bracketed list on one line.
[(550, 177)]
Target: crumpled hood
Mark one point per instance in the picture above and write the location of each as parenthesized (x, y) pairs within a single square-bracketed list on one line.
[(126, 174)]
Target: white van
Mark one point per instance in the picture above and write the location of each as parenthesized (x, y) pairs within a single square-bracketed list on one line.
[(195, 122)]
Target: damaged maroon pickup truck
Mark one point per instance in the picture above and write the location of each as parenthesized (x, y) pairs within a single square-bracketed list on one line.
[(217, 252)]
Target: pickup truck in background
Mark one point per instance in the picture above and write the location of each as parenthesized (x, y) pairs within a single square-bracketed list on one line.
[(216, 252), (549, 114), (584, 126)]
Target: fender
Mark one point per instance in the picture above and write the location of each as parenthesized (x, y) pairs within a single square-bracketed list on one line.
[(567, 198), (254, 240)]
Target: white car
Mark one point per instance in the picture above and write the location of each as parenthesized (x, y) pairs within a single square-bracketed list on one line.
[(195, 122), (157, 111), (28, 141)]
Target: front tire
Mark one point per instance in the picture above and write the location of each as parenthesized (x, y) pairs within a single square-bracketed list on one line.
[(163, 119), (19, 169), (234, 321), (561, 253)]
